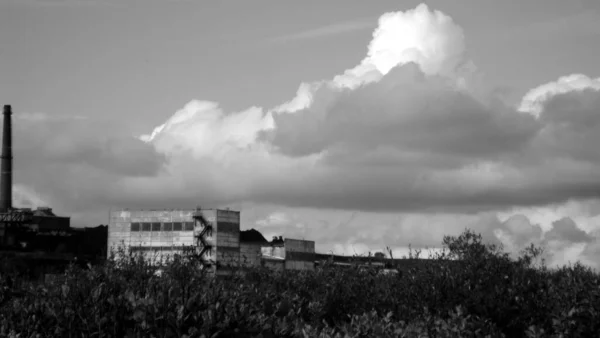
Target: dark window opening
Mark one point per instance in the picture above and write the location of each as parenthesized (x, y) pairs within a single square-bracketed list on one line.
[(168, 226), (145, 226), (177, 226), (135, 226), (189, 226), (155, 226)]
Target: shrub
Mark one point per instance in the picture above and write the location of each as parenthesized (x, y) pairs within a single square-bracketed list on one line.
[(470, 290)]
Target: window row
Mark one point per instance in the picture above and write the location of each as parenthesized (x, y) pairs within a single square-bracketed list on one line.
[(166, 226)]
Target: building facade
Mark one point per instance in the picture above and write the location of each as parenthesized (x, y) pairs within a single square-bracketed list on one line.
[(213, 233), (158, 234)]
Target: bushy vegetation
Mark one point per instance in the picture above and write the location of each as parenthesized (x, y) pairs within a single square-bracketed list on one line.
[(471, 290)]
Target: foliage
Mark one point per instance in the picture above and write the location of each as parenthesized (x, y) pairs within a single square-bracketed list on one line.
[(470, 290)]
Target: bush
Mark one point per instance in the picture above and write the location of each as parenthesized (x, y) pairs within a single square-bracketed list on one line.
[(470, 290)]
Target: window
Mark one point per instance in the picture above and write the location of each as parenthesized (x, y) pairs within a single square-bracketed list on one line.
[(168, 226), (177, 226), (145, 226), (189, 226), (135, 226), (155, 226)]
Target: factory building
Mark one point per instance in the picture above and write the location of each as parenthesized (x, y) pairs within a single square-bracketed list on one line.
[(214, 234), (36, 241)]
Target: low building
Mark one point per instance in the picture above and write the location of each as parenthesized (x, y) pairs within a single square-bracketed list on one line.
[(36, 242)]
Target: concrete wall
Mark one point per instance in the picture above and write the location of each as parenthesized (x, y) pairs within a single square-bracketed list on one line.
[(250, 254), (227, 231), (165, 232), (273, 251), (273, 264), (299, 254)]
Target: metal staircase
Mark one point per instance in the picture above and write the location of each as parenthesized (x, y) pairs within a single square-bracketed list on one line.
[(204, 247)]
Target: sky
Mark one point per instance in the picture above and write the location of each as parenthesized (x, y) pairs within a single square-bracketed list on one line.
[(360, 125)]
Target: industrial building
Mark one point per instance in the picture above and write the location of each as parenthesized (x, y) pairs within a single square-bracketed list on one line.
[(38, 242), (213, 233)]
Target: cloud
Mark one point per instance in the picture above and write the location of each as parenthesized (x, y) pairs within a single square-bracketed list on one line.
[(399, 113), (565, 229), (411, 127), (429, 38), (326, 31), (536, 100), (25, 197), (73, 163)]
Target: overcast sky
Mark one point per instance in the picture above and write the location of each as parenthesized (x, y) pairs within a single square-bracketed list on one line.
[(356, 124)]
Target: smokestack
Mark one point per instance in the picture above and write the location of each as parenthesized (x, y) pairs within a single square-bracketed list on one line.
[(6, 165)]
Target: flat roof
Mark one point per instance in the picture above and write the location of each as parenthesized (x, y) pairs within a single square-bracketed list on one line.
[(171, 209)]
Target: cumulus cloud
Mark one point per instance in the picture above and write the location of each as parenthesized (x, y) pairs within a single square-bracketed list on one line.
[(429, 38), (565, 229), (535, 100), (410, 127)]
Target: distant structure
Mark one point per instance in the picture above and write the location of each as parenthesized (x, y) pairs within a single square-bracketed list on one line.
[(214, 234), (6, 165), (38, 241)]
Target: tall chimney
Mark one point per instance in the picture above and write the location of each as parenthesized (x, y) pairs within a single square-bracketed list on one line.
[(6, 165)]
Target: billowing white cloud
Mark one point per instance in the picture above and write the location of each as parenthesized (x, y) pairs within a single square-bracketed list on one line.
[(428, 38)]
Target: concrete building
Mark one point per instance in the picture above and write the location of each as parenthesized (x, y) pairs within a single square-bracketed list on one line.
[(212, 233)]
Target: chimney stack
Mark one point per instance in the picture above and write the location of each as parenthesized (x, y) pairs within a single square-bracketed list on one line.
[(6, 165)]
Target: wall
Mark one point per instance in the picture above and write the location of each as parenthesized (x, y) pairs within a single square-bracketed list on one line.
[(228, 237), (250, 254), (273, 251), (52, 222), (299, 254), (155, 232), (273, 264)]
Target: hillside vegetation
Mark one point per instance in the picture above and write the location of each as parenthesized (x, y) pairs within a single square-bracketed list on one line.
[(472, 290)]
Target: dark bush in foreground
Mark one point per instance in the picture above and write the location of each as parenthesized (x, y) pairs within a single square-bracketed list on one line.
[(484, 293)]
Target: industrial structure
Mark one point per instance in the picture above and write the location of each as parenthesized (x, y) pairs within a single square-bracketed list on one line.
[(214, 234), (38, 242)]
